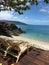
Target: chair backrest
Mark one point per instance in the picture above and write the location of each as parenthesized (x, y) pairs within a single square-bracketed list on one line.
[(6, 43), (14, 45), (3, 41), (3, 44)]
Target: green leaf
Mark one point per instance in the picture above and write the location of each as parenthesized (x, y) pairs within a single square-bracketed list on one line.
[(47, 1)]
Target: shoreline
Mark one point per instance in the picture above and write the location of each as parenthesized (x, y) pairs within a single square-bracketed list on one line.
[(32, 42), (34, 39)]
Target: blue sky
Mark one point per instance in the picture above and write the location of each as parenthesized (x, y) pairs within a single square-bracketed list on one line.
[(38, 15)]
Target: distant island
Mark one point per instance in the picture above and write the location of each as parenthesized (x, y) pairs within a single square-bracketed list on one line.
[(13, 22), (8, 28)]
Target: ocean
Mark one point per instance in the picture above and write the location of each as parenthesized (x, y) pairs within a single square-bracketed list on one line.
[(38, 32)]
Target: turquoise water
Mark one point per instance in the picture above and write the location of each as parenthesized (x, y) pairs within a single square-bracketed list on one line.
[(39, 32)]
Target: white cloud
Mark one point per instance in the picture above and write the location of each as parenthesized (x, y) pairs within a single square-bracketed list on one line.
[(28, 3), (43, 10), (5, 15), (47, 7), (26, 17), (21, 0), (44, 7)]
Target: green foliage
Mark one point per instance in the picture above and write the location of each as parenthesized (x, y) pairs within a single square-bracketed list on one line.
[(47, 1), (17, 5)]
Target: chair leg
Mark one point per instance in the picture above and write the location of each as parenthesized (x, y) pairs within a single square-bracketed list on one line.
[(6, 51), (18, 57), (5, 54), (27, 50)]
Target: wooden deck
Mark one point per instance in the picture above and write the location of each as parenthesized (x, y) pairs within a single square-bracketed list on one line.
[(34, 57)]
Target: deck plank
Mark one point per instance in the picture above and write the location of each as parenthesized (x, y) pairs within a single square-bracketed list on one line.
[(34, 57)]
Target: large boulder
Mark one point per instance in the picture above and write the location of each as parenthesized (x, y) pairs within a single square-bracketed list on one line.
[(8, 29)]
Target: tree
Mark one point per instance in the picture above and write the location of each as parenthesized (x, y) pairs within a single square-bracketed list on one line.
[(17, 5)]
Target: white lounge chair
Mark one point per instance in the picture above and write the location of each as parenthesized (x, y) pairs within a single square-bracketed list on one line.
[(3, 45), (20, 47), (15, 49)]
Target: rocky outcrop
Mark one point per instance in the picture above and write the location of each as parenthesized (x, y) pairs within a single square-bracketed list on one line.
[(8, 29)]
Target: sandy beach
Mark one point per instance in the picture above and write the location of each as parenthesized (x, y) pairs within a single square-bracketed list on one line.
[(32, 42)]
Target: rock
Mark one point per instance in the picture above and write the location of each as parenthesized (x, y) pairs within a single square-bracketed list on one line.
[(21, 31), (3, 31), (9, 29)]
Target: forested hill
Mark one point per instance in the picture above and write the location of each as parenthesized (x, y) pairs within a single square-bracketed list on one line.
[(14, 22)]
